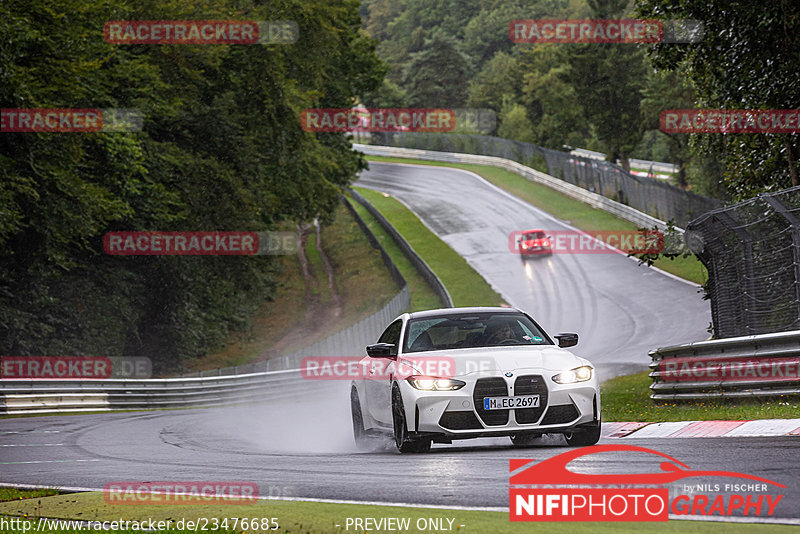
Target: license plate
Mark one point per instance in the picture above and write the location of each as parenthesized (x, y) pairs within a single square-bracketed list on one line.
[(505, 403)]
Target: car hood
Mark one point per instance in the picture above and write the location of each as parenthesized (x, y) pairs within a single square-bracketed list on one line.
[(500, 359)]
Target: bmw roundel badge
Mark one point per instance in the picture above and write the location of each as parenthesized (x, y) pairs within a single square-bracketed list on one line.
[(509, 374)]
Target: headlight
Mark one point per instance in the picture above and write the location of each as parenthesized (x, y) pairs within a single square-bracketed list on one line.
[(579, 374), (523, 246), (433, 383)]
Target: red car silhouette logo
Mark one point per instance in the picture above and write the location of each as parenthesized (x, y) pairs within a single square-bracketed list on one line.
[(554, 470)]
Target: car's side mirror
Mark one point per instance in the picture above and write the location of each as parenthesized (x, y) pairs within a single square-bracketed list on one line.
[(549, 237), (566, 339), (380, 350)]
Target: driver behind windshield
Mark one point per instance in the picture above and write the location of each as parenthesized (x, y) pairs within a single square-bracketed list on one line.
[(498, 333)]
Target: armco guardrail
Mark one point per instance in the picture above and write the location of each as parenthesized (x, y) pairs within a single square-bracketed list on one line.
[(54, 396), (765, 365), (350, 341), (653, 196), (648, 164), (387, 260), (415, 259), (258, 381), (593, 199)]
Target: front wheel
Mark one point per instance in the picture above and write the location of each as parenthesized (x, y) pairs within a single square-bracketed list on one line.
[(403, 440), (584, 436), (359, 434)]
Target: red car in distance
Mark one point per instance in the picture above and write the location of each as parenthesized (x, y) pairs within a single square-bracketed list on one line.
[(534, 242)]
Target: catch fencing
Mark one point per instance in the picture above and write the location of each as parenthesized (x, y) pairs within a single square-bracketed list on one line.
[(752, 253), (578, 193), (649, 195)]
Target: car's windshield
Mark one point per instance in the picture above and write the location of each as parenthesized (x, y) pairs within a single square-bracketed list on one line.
[(533, 235), (472, 330)]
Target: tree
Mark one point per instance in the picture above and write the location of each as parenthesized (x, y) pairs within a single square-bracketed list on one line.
[(514, 124), (668, 90), (610, 79), (748, 58), (388, 95), (438, 75), (499, 77), (221, 149), (553, 105)]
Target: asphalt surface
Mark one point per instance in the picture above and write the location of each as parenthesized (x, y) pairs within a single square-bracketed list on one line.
[(620, 310), (303, 448), (306, 451)]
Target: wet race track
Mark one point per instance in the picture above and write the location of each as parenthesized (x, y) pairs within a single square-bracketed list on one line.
[(303, 447)]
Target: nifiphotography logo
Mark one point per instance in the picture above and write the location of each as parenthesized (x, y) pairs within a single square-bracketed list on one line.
[(549, 491)]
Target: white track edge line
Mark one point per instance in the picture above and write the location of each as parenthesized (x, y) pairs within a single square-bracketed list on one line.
[(777, 521)]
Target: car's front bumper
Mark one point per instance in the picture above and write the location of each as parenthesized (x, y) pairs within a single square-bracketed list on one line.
[(460, 413), (535, 251)]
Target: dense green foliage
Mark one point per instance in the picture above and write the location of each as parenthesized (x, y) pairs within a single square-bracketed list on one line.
[(608, 97), (221, 149), (748, 59)]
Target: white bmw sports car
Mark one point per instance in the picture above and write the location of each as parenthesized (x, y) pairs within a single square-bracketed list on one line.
[(458, 373)]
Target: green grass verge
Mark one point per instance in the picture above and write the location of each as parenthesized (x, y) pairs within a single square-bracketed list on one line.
[(321, 289), (14, 494), (422, 296), (560, 205), (361, 278), (465, 285), (313, 518), (627, 398)]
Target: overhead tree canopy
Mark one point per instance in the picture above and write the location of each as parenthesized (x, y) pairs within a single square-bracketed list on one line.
[(748, 58), (610, 80), (437, 75), (221, 149)]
